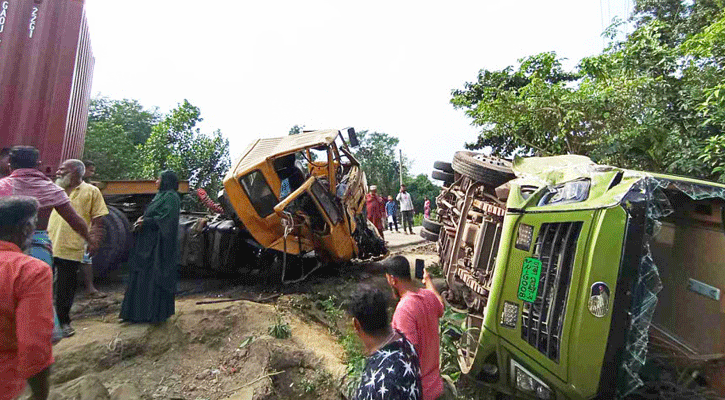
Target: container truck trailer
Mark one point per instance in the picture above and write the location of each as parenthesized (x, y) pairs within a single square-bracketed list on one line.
[(46, 69)]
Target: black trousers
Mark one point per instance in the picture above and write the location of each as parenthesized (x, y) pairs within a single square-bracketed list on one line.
[(407, 220), (395, 222), (66, 283)]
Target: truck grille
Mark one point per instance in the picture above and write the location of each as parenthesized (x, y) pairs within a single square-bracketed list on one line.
[(542, 320)]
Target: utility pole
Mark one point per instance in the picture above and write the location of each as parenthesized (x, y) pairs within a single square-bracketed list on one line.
[(400, 165)]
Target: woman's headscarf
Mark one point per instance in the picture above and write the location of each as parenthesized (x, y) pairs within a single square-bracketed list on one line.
[(169, 181)]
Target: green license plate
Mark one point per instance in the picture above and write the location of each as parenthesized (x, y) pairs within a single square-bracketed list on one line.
[(529, 285)]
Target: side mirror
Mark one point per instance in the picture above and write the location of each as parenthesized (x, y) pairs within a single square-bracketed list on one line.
[(351, 136)]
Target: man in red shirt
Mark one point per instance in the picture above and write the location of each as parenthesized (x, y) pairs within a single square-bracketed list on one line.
[(375, 209), (26, 304), (416, 316)]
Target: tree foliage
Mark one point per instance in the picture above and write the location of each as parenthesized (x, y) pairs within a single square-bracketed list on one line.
[(129, 114), (419, 188), (176, 143), (379, 159), (171, 141), (652, 101), (107, 145)]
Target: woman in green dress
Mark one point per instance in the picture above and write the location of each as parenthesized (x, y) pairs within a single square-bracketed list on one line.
[(153, 262)]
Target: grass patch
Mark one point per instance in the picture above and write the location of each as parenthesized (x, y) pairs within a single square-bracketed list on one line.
[(354, 359)]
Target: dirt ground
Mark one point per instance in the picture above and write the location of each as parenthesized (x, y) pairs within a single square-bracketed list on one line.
[(217, 350)]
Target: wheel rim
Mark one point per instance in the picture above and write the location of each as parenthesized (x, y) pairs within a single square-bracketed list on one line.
[(469, 342)]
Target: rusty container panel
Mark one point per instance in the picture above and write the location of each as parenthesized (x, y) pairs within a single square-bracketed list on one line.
[(46, 68)]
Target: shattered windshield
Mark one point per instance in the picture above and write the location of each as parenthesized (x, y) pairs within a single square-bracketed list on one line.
[(648, 283)]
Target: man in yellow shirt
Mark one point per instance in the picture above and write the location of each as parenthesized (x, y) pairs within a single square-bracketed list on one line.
[(68, 246)]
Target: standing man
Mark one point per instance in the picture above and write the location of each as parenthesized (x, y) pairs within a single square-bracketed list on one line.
[(26, 304), (406, 208), (391, 209), (4, 162), (392, 370), (90, 171), (87, 264), (416, 316), (68, 247), (375, 209)]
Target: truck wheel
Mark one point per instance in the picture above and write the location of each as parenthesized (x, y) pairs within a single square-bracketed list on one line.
[(446, 177), (128, 244), (114, 242), (432, 226), (428, 235), (443, 166), (490, 171)]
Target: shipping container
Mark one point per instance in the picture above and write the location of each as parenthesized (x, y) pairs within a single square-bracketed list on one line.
[(46, 69)]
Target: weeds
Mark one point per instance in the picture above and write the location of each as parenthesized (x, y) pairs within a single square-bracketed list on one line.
[(450, 333), (354, 359), (280, 329), (330, 307), (354, 356), (434, 270), (247, 341), (308, 386), (313, 385)]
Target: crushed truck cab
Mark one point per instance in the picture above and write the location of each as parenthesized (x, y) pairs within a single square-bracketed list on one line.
[(304, 193), (583, 281)]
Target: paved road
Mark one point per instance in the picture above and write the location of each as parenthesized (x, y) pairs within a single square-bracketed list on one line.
[(397, 240)]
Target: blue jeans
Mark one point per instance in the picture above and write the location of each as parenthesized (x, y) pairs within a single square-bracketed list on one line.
[(42, 249)]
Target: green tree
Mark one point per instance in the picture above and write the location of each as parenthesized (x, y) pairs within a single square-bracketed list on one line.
[(419, 188), (176, 143), (115, 128), (649, 101), (378, 158), (129, 114), (108, 145), (296, 129)]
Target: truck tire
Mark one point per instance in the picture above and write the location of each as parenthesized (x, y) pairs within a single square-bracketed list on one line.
[(432, 226), (114, 242), (428, 235), (443, 166), (446, 177), (119, 215), (490, 171)]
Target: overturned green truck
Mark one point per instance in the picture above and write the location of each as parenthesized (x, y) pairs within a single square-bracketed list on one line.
[(583, 281)]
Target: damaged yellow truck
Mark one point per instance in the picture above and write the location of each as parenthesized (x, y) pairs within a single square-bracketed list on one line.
[(583, 281), (296, 203)]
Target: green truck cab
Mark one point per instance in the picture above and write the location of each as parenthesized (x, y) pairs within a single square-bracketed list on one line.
[(578, 279)]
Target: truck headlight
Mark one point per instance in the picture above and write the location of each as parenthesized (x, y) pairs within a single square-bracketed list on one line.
[(570, 192), (529, 383)]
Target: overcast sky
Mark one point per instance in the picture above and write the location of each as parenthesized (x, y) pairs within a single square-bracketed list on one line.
[(256, 68)]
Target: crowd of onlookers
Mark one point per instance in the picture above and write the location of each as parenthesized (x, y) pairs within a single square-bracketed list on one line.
[(384, 214), (50, 229)]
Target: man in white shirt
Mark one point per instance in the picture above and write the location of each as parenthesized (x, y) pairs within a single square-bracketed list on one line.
[(406, 208)]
